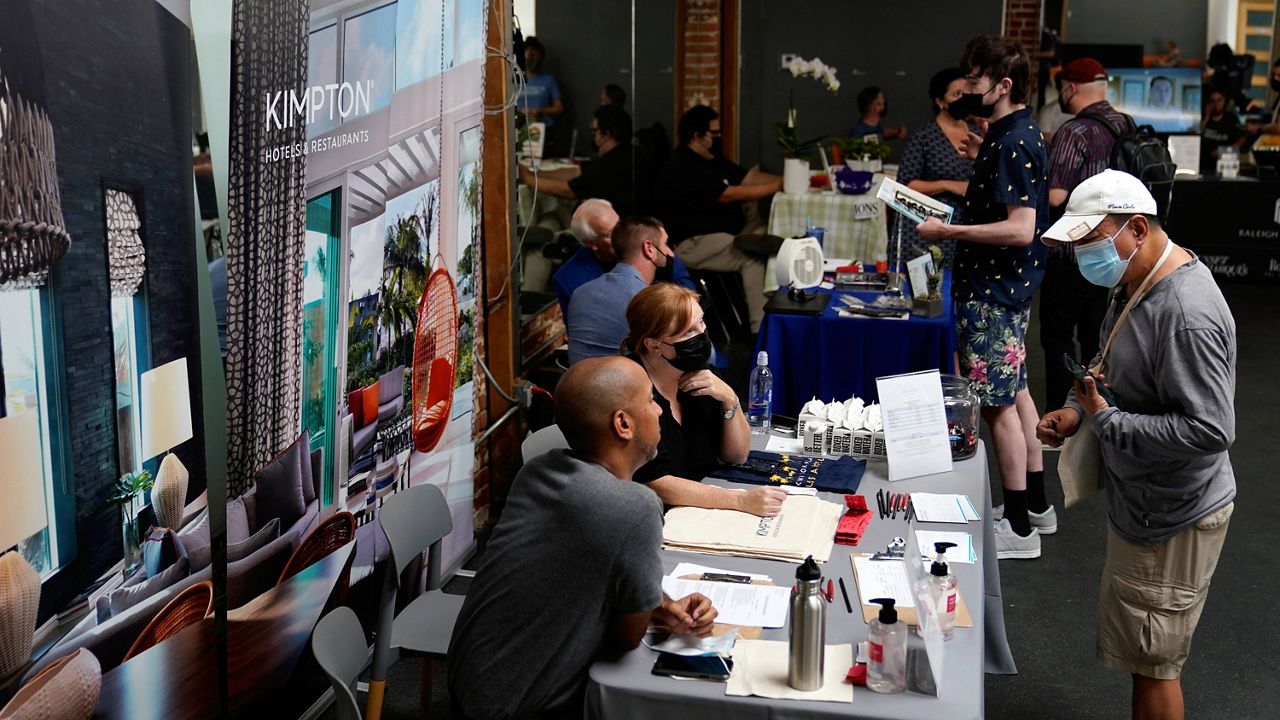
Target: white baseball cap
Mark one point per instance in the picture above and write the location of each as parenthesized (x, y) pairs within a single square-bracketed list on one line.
[(1107, 193)]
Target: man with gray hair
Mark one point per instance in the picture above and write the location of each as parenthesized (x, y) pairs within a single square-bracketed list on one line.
[(1159, 400), (592, 224), (573, 566)]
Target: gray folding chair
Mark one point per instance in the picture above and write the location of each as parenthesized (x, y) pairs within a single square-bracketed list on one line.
[(414, 520), (338, 645), (541, 441)]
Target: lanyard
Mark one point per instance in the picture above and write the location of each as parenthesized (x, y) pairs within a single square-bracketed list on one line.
[(1133, 302)]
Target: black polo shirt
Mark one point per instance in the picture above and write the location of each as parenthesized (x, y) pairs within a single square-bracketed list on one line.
[(688, 191), (690, 448), (1012, 169), (623, 176)]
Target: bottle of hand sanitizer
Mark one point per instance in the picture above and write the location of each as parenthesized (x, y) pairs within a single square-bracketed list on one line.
[(942, 586), (887, 650)]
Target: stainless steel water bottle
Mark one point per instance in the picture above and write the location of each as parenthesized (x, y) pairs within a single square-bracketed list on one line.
[(808, 629)]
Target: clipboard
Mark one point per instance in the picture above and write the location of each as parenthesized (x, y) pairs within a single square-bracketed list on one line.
[(908, 615), (750, 632)]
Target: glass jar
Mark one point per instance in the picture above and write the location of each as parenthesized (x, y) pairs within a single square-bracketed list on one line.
[(962, 407)]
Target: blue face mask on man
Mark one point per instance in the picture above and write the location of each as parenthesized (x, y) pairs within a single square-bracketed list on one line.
[(1100, 262)]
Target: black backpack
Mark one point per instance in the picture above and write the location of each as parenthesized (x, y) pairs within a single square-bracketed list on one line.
[(1140, 153)]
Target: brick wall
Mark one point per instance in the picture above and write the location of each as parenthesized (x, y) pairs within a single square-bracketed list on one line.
[(1022, 22), (118, 94), (698, 53)]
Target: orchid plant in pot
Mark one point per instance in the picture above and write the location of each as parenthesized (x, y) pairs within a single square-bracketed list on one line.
[(796, 152)]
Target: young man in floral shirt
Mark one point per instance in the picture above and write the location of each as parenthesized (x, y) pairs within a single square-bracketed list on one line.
[(1000, 262)]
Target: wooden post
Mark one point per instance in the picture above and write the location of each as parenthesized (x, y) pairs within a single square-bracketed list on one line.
[(501, 293)]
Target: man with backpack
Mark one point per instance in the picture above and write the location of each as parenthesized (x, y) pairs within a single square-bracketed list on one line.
[(1071, 308)]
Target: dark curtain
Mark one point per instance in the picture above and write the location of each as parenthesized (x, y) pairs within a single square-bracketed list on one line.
[(267, 221)]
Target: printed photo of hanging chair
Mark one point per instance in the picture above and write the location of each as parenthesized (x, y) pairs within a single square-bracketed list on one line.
[(435, 355)]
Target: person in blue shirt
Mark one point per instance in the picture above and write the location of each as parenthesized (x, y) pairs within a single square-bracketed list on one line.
[(540, 98), (1000, 263), (598, 311), (872, 107), (592, 224)]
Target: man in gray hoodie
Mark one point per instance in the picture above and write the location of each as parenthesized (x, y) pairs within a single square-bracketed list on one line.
[(1163, 435)]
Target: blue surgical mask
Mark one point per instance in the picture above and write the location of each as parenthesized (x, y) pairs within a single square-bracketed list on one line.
[(1100, 262)]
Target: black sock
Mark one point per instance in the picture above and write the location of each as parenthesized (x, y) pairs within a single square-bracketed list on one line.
[(1015, 511), (1036, 501)]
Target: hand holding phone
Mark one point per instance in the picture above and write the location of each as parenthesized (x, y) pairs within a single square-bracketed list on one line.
[(1079, 373)]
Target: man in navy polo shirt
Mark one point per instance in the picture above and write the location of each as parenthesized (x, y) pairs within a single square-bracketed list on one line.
[(1000, 262)]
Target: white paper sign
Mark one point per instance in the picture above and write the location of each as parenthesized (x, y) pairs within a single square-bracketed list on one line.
[(1185, 151), (918, 269), (915, 424)]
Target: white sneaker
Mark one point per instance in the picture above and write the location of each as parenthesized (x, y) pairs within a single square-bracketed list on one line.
[(1046, 522), (1012, 546)]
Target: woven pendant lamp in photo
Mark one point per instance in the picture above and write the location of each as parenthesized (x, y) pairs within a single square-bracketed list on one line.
[(33, 235), (125, 255)]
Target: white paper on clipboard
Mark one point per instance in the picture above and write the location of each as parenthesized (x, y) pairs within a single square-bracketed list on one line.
[(912, 204)]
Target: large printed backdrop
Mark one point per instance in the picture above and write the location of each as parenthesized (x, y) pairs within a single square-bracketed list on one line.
[(386, 128)]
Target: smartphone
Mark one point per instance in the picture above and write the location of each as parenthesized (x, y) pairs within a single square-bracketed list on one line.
[(1078, 372), (701, 667)]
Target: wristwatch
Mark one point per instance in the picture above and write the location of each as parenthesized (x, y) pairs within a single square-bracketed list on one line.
[(728, 414)]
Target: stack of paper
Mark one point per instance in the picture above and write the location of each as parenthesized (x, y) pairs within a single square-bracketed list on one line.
[(963, 551), (805, 526), (943, 507), (750, 605)]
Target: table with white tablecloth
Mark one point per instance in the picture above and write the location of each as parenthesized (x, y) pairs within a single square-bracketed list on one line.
[(622, 687), (854, 224)]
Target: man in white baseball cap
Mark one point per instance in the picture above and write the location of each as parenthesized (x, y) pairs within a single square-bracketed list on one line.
[(1168, 359)]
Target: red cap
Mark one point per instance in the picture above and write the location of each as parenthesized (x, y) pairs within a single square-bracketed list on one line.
[(1083, 70)]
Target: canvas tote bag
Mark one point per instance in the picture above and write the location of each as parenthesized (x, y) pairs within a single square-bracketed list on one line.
[(1080, 464)]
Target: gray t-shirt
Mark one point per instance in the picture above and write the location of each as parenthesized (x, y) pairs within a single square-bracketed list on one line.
[(1172, 368), (575, 548)]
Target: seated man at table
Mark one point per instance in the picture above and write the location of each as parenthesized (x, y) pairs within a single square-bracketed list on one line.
[(700, 195), (598, 310), (621, 173), (593, 226), (573, 565)]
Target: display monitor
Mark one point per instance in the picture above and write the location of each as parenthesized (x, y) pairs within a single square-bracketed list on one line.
[(1167, 99)]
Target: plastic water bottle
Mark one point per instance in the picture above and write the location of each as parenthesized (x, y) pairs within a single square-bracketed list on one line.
[(760, 396)]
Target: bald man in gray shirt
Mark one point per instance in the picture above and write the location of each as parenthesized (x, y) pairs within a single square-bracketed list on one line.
[(573, 566)]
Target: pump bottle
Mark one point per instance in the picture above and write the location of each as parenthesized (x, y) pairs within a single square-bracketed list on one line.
[(942, 587), (887, 650)]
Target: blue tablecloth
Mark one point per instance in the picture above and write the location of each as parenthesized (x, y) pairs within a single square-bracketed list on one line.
[(830, 356)]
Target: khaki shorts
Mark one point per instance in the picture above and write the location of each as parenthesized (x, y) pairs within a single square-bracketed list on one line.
[(1152, 597)]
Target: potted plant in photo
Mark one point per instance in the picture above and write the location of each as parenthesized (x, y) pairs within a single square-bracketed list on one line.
[(931, 304), (863, 155), (129, 494), (796, 152)]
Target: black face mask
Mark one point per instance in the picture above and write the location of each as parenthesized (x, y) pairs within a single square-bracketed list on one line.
[(716, 146), (595, 149), (970, 104), (1275, 84), (691, 354), (1062, 101), (663, 273), (884, 112)]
